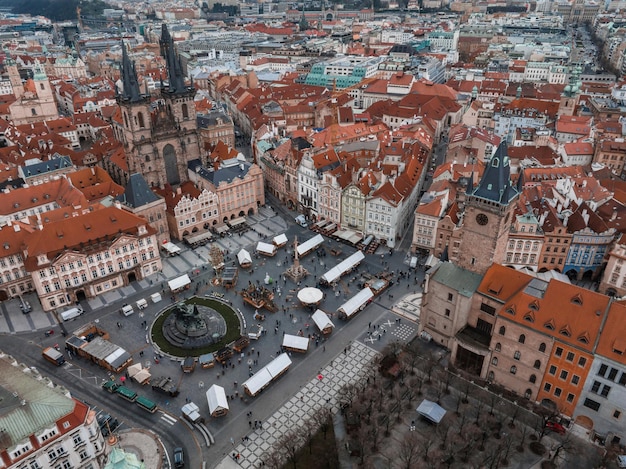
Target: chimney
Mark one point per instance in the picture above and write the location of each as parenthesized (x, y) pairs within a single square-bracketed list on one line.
[(614, 215), (16, 227), (565, 220)]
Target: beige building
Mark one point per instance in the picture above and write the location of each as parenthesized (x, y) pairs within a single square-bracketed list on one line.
[(35, 100), (611, 153), (190, 211), (42, 426), (525, 242), (89, 252), (353, 208), (330, 191), (238, 185), (427, 216), (614, 278)]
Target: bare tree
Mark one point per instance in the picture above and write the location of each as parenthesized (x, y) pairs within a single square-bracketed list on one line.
[(514, 416), (289, 444), (408, 451), (479, 407), (429, 364), (425, 445), (506, 449), (462, 422), (362, 439), (493, 399), (443, 433), (467, 386), (566, 445), (522, 438), (459, 401), (411, 355), (272, 459), (323, 419)]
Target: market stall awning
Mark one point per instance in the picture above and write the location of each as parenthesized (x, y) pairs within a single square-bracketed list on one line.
[(431, 410), (179, 282), (237, 221), (222, 229), (244, 257)]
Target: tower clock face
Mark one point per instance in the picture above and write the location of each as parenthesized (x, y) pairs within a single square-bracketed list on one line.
[(482, 219)]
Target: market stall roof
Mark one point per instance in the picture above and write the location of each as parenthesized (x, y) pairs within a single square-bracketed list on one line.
[(216, 398), (179, 282), (134, 369), (265, 248), (321, 320), (142, 376), (222, 229), (310, 244), (278, 365), (198, 237), (258, 381), (310, 295), (356, 302), (171, 247), (237, 221), (280, 240), (343, 267), (244, 257), (295, 342), (431, 410)]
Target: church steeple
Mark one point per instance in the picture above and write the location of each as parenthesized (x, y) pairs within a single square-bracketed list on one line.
[(495, 185), (131, 92), (174, 67)]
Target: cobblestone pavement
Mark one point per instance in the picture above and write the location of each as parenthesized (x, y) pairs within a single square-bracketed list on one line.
[(347, 368)]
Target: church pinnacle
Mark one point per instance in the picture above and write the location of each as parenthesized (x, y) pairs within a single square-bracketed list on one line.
[(174, 67)]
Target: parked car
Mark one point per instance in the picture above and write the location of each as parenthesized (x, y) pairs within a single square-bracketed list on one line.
[(179, 457), (555, 427)]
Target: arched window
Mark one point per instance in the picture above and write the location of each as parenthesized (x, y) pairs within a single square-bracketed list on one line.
[(494, 361), (33, 111), (490, 376), (502, 330), (537, 364), (532, 379), (142, 124), (522, 339), (498, 347), (185, 111), (517, 355), (513, 369), (528, 393), (542, 347)]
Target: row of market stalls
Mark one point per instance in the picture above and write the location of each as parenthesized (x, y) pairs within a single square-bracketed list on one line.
[(356, 303), (138, 373), (363, 243), (264, 377)]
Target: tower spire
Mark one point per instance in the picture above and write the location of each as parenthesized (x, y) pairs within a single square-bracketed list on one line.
[(129, 79), (172, 60)]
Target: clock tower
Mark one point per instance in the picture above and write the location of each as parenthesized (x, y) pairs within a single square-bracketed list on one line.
[(487, 217)]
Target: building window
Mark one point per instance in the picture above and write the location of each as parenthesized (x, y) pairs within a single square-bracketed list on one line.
[(522, 339), (502, 330), (542, 347), (570, 357), (563, 374), (517, 355), (513, 370), (605, 391), (570, 397), (499, 347), (582, 361), (447, 313), (494, 361), (617, 414), (575, 379), (603, 369), (537, 364), (532, 379), (558, 352), (591, 404), (450, 297), (552, 370), (557, 392), (547, 387)]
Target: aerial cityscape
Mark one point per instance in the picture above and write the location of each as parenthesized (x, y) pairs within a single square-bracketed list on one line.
[(312, 234)]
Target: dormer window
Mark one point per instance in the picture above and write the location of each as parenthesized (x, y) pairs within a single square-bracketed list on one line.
[(577, 300), (584, 338), (534, 305), (510, 310), (549, 325), (565, 330), (529, 316)]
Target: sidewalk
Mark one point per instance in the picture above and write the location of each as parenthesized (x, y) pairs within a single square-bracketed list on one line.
[(349, 367)]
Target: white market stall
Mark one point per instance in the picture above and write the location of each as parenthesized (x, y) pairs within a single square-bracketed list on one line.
[(179, 283), (170, 248), (309, 245), (218, 403), (356, 303), (323, 322), (280, 240), (310, 296), (262, 378), (244, 258), (265, 248), (431, 411), (342, 268), (143, 377), (295, 343)]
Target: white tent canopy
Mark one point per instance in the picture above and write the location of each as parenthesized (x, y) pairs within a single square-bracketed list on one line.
[(142, 376), (295, 342), (179, 282), (216, 398), (134, 369), (266, 248), (343, 267), (171, 248), (244, 258), (431, 410), (310, 244), (355, 303), (280, 240), (321, 320), (258, 381), (310, 295)]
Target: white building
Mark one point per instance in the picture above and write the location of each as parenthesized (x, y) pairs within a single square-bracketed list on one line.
[(42, 426), (307, 186)]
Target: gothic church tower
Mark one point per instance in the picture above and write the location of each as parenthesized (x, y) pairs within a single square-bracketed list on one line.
[(160, 136), (488, 216)]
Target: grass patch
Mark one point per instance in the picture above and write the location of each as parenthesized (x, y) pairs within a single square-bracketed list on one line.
[(322, 453), (233, 331)]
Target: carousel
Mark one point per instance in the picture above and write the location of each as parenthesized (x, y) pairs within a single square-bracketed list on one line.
[(310, 296)]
